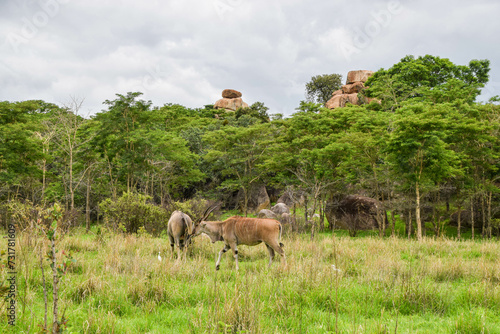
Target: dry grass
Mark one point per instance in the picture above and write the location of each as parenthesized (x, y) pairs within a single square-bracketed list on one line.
[(118, 285)]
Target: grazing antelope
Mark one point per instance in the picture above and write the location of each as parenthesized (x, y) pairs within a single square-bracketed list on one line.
[(179, 227), (237, 230)]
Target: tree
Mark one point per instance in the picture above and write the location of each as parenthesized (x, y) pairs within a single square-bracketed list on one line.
[(321, 87), (238, 154), (139, 149), (308, 151), (365, 167), (20, 149), (68, 125), (476, 140), (257, 110), (419, 151), (428, 78)]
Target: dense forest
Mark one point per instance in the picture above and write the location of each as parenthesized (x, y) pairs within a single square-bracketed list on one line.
[(423, 146)]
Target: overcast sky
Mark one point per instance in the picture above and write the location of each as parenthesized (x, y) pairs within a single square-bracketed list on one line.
[(187, 52)]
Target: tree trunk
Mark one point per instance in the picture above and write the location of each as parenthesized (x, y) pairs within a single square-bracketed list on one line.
[(44, 171), (417, 212), (306, 216), (71, 190), (459, 222), (488, 220), (87, 205), (245, 201), (472, 215), (393, 224), (410, 225), (483, 210)]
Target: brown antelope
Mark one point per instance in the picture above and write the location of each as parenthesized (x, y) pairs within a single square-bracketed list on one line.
[(237, 230), (179, 227)]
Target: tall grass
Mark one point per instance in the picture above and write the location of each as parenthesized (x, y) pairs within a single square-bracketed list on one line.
[(381, 286)]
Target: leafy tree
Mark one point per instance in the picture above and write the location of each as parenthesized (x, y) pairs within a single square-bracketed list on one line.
[(476, 140), (365, 166), (138, 148), (306, 107), (257, 110), (419, 150), (308, 152), (238, 154), (20, 150), (321, 87), (67, 125), (428, 78)]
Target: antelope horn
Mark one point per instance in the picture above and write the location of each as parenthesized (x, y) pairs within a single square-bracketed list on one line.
[(207, 213)]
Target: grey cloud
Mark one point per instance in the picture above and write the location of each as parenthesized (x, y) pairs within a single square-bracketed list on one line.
[(188, 51)]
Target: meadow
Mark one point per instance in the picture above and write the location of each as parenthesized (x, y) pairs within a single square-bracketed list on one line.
[(389, 285)]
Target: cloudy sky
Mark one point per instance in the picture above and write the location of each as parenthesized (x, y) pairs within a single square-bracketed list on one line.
[(187, 52)]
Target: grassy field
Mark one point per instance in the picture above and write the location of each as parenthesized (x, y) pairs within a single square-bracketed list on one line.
[(389, 285)]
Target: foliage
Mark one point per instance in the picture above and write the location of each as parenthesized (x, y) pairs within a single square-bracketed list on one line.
[(133, 211), (238, 154), (321, 87), (175, 154), (257, 110), (19, 149), (428, 78)]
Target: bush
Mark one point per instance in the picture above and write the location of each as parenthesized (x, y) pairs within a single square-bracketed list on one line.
[(133, 211), (27, 216), (194, 208)]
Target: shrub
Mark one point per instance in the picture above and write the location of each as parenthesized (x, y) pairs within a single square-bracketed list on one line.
[(27, 216), (133, 211), (194, 208)]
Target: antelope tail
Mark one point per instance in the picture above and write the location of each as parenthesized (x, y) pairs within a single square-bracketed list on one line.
[(281, 229)]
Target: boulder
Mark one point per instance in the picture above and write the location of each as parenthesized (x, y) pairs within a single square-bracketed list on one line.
[(355, 87), (339, 101), (360, 75), (349, 92), (337, 92), (351, 98), (334, 102), (285, 218), (354, 212), (290, 199), (257, 199), (230, 104), (280, 208), (265, 213), (231, 94)]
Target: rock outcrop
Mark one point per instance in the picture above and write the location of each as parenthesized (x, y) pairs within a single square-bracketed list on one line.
[(231, 100), (355, 83), (280, 208), (265, 213), (258, 199), (358, 76)]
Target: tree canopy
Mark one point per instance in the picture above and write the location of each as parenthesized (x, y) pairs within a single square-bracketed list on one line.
[(428, 78), (436, 138), (321, 87)]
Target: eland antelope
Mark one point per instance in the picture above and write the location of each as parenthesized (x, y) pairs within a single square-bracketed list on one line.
[(237, 230)]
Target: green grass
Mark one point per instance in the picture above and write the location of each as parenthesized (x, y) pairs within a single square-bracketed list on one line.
[(390, 285)]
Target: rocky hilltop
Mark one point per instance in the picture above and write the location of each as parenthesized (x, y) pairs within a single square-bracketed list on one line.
[(231, 100), (349, 92)]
